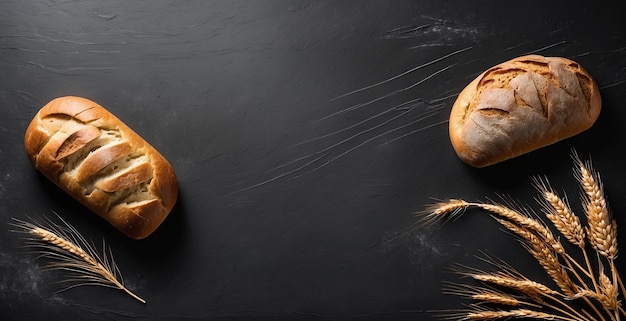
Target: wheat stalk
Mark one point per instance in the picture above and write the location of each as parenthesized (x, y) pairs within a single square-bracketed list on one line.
[(69, 251), (575, 282)]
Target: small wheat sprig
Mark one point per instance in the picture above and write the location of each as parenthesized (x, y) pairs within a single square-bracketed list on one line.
[(69, 251)]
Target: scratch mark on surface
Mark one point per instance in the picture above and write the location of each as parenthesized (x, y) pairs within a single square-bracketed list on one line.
[(360, 144), (404, 73), (396, 122), (428, 115), (415, 131), (349, 138), (395, 92), (69, 70), (275, 178), (361, 122), (405, 32), (587, 53), (613, 84), (546, 47)]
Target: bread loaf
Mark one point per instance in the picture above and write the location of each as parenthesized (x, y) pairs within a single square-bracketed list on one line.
[(521, 105), (102, 163)]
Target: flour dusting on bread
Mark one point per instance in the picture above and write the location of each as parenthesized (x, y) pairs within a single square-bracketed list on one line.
[(521, 105)]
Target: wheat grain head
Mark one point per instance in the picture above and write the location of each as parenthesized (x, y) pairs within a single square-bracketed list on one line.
[(441, 211), (513, 314), (601, 228), (558, 211), (545, 256)]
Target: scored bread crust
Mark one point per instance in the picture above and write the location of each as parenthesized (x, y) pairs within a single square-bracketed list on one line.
[(101, 162), (522, 105)]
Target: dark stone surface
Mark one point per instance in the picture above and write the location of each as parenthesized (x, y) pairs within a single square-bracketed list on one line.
[(305, 135)]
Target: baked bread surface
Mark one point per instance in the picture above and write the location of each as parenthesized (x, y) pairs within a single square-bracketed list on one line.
[(521, 105), (102, 163)]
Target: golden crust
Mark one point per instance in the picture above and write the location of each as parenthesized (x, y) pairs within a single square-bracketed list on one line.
[(521, 105), (102, 163)]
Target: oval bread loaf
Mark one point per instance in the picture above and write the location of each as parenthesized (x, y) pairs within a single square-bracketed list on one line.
[(102, 163), (521, 105)]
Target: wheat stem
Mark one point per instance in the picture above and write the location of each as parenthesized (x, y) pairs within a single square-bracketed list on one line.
[(590, 271), (591, 274), (567, 310), (621, 287), (575, 268), (615, 288)]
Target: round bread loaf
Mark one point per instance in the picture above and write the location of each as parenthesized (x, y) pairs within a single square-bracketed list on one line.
[(102, 163), (521, 105)]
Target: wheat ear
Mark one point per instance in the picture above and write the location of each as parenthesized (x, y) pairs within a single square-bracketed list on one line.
[(524, 221), (558, 211), (485, 295), (602, 229), (69, 251), (544, 254), (442, 211), (508, 271), (514, 314), (508, 279)]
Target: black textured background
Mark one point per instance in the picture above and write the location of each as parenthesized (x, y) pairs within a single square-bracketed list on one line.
[(305, 136)]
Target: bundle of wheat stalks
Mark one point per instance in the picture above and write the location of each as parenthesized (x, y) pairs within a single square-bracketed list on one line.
[(586, 284)]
